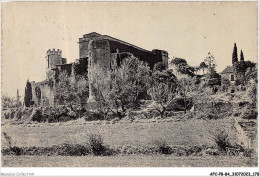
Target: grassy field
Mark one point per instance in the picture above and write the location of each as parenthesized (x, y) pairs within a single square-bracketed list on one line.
[(176, 132), (190, 132), (127, 161)]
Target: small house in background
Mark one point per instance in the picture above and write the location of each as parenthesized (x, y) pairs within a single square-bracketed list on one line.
[(228, 73)]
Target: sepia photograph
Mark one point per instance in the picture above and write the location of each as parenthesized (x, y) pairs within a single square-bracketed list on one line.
[(129, 84)]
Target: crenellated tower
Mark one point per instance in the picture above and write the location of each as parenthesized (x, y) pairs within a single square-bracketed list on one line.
[(54, 57)]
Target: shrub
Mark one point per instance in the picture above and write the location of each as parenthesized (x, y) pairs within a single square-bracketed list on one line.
[(14, 150), (221, 139), (163, 147), (63, 149), (89, 115), (72, 114), (18, 114), (36, 115), (237, 114), (248, 152), (250, 114), (9, 113), (96, 144), (73, 150)]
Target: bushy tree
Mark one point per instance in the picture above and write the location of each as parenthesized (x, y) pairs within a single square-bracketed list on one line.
[(186, 88), (252, 92), (178, 61), (211, 63), (100, 87), (163, 90), (121, 87), (159, 67), (203, 66), (242, 70), (182, 66), (129, 81), (66, 90), (8, 102), (80, 68), (82, 87), (28, 94)]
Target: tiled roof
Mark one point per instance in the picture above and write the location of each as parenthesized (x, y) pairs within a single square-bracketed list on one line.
[(228, 69)]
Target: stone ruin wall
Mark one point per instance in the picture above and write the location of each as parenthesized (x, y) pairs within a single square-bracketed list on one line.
[(46, 94)]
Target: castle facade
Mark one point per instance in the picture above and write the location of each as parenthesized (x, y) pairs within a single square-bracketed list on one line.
[(95, 50)]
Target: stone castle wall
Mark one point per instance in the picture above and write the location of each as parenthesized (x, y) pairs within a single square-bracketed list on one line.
[(95, 51)]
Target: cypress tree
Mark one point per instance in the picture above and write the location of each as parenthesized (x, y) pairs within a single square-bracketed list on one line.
[(28, 94), (241, 56), (234, 55)]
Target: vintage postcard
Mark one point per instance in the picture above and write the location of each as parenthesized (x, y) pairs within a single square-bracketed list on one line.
[(129, 84)]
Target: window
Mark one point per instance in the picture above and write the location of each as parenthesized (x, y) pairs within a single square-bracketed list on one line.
[(232, 77)]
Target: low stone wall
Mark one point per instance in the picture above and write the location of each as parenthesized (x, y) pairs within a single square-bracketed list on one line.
[(214, 107), (241, 136)]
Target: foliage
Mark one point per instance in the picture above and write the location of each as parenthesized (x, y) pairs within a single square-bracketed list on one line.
[(178, 61), (252, 92), (121, 87), (250, 113), (128, 82), (163, 89), (93, 115), (213, 78), (36, 115), (28, 94), (8, 102), (65, 90), (251, 74), (211, 63), (203, 66), (242, 56), (82, 89), (234, 54), (96, 144), (162, 146), (159, 67), (221, 139), (186, 87), (100, 88), (59, 113), (71, 90), (62, 150), (225, 84), (183, 67), (244, 70), (80, 68)]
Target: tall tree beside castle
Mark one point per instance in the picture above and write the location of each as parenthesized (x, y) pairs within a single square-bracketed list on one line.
[(210, 63), (234, 54), (28, 94), (241, 56)]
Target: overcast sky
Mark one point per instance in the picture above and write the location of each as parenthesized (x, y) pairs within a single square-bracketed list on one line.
[(185, 29)]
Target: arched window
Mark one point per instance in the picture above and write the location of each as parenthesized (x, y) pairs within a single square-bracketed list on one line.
[(232, 77)]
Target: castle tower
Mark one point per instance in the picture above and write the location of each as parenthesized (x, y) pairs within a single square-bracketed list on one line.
[(99, 61), (54, 57)]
